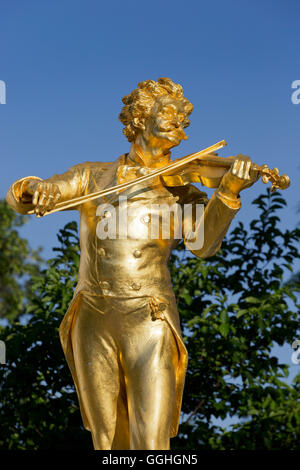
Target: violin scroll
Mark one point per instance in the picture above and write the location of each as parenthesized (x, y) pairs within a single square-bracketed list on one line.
[(278, 182)]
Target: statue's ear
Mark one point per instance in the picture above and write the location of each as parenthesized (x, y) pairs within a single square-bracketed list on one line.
[(139, 123)]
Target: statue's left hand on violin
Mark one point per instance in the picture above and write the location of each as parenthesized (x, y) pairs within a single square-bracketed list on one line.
[(212, 171)]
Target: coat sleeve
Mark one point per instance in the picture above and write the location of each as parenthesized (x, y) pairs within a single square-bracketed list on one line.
[(72, 183), (208, 230)]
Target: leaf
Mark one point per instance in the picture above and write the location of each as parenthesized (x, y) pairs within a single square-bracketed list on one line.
[(242, 312), (224, 329), (252, 300)]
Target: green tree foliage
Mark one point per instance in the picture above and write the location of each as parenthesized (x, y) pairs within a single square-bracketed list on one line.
[(39, 408), (18, 263), (234, 307)]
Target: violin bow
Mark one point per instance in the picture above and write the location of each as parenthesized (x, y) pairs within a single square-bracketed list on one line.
[(278, 182), (160, 171)]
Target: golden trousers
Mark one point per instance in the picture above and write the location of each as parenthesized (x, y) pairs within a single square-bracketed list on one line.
[(126, 363)]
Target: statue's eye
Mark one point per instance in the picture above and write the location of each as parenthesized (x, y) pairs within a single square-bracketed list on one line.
[(168, 110)]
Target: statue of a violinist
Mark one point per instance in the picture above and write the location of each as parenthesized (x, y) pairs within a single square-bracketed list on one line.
[(121, 334)]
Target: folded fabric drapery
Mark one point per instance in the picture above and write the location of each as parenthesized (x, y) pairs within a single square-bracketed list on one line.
[(129, 172)]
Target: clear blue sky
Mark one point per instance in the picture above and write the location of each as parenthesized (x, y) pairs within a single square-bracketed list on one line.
[(68, 63)]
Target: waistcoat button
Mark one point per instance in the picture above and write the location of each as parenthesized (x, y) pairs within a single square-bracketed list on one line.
[(101, 252), (137, 253), (105, 285), (145, 219), (136, 285)]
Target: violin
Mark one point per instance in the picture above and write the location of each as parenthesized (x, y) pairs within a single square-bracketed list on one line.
[(204, 167), (210, 170)]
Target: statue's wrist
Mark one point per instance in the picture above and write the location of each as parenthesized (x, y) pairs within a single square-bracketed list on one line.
[(228, 193), (229, 198)]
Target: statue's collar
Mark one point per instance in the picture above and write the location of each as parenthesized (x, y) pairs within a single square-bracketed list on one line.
[(135, 157)]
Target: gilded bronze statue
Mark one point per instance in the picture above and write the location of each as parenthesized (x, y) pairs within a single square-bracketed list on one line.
[(121, 334)]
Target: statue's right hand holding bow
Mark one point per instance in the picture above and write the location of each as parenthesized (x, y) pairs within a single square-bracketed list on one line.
[(41, 194)]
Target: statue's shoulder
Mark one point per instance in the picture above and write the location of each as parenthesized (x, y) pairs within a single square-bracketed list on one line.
[(99, 166), (93, 166), (94, 175)]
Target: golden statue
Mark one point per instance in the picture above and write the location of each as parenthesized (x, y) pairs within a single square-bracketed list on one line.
[(121, 334)]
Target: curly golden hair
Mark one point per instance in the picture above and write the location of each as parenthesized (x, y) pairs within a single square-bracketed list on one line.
[(139, 102)]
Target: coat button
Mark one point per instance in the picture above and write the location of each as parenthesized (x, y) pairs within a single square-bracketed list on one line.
[(105, 285), (101, 252), (137, 253), (145, 219), (161, 306), (107, 214), (136, 285)]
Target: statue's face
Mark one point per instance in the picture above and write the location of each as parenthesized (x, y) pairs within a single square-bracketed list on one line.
[(164, 127)]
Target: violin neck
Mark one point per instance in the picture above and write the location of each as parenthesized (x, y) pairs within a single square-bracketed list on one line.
[(210, 160)]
